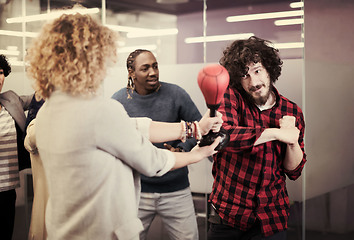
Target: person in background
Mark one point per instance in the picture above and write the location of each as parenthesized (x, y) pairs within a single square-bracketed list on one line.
[(168, 196), (13, 155), (92, 152), (249, 195)]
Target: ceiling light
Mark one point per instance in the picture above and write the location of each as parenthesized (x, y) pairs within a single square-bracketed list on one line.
[(296, 4), (51, 15), (120, 43), (18, 33), (286, 22), (260, 16), (289, 45), (10, 52), (120, 28), (172, 1), (135, 32), (15, 62), (131, 49), (152, 33), (217, 38)]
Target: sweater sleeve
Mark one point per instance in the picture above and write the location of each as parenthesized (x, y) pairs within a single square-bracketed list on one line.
[(143, 125), (117, 134), (30, 139)]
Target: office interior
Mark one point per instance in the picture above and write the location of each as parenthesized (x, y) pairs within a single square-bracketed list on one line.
[(316, 43)]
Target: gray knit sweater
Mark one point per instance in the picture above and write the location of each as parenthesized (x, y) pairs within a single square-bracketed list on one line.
[(170, 103)]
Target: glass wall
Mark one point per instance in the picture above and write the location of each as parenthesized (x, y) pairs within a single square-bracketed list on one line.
[(184, 37)]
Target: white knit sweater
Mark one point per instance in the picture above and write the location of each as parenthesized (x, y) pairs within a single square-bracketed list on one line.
[(92, 153)]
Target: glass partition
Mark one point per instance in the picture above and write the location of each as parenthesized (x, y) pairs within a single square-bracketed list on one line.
[(184, 37)]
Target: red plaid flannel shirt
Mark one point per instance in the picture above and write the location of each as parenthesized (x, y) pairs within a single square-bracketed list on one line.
[(249, 181)]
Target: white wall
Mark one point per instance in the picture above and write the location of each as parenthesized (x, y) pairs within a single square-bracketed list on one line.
[(329, 71)]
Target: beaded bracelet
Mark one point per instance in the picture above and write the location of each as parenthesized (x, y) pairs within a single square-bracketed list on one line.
[(189, 131), (197, 134), (183, 137)]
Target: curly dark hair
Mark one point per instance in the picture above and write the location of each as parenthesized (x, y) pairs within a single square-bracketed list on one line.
[(5, 65), (241, 53)]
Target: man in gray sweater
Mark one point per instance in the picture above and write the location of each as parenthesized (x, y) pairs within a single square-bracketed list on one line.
[(168, 196)]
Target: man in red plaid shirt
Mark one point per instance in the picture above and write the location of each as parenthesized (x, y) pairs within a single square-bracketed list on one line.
[(249, 195)]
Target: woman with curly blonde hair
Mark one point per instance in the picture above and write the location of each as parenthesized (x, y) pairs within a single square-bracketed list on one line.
[(91, 150), (69, 56)]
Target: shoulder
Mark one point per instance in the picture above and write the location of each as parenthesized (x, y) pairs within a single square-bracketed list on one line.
[(291, 108), (10, 98), (289, 103), (232, 94), (120, 94), (171, 86), (174, 91), (109, 105), (9, 95), (110, 113)]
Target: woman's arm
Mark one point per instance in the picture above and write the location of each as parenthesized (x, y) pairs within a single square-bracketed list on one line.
[(164, 132), (30, 139), (195, 155)]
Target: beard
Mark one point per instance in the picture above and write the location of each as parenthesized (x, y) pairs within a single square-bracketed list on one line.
[(258, 100)]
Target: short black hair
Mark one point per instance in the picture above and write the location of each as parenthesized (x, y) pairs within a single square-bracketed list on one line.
[(132, 56), (5, 65)]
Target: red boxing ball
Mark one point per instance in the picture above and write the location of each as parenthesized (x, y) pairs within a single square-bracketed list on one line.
[(213, 80)]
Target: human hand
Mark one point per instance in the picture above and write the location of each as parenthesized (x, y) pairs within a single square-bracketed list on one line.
[(287, 121), (208, 123), (288, 135), (206, 151)]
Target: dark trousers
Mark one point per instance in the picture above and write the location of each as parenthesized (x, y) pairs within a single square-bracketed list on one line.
[(7, 213), (220, 231)]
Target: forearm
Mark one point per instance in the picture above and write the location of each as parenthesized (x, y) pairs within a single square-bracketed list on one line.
[(289, 136), (293, 156), (164, 132), (184, 159), (269, 134), (197, 154)]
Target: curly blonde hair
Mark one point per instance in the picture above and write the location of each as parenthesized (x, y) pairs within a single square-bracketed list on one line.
[(71, 54)]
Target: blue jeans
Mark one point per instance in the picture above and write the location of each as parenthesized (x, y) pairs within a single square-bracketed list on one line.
[(176, 210)]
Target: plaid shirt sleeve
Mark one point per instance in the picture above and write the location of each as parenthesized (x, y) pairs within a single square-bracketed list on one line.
[(300, 124), (241, 138)]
